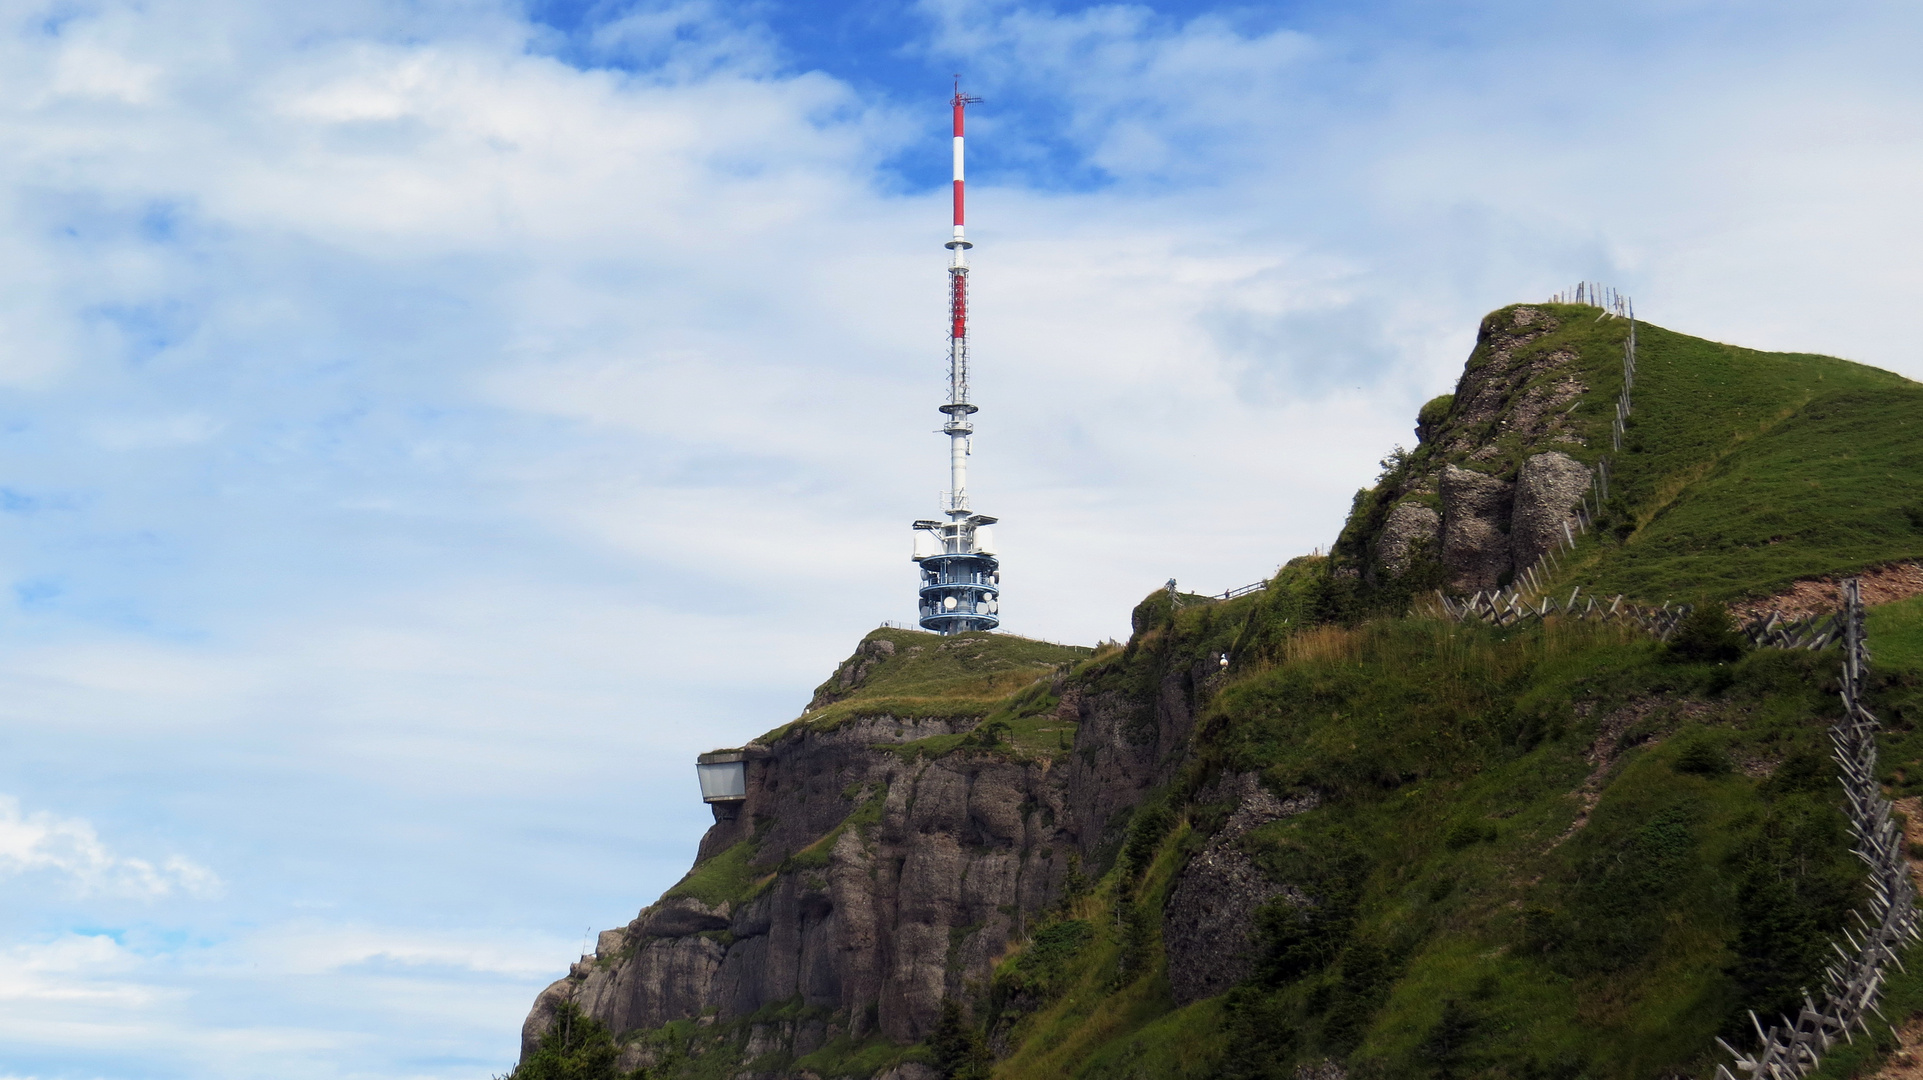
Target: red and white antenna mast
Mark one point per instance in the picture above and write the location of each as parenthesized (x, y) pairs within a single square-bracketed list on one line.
[(958, 429), (961, 576)]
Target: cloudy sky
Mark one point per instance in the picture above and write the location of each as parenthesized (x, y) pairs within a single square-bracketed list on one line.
[(425, 426)]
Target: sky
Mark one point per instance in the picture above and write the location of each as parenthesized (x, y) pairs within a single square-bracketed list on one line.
[(424, 427)]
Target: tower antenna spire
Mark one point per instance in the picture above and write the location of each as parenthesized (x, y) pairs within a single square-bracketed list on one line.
[(960, 575)]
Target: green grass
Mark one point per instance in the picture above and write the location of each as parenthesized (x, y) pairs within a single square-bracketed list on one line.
[(815, 855), (730, 875), (1896, 636), (1448, 755), (1021, 727), (1488, 900), (1824, 491), (966, 675), (858, 1059), (1097, 1023), (1742, 471)]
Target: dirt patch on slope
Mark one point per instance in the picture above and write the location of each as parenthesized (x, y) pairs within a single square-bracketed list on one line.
[(1817, 596), (1609, 747)]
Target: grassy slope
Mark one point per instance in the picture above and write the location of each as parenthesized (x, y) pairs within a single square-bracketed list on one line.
[(1448, 758), (1454, 753), (1746, 470), (1469, 930), (967, 675)]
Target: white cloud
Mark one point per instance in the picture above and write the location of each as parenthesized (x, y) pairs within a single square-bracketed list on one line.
[(80, 969), (450, 440), (321, 948), (71, 848)]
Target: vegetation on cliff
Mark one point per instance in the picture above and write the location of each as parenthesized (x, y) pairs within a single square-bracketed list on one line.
[(907, 674), (1741, 470), (1415, 848)]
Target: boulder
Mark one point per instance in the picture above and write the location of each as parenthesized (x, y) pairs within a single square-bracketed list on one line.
[(1475, 513), (1548, 488), (1409, 528)]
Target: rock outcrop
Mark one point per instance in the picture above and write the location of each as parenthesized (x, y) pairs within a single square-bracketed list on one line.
[(1510, 390), (1548, 488), (1410, 530), (890, 879), (895, 913), (1475, 528), (1208, 926), (1495, 455), (852, 673)]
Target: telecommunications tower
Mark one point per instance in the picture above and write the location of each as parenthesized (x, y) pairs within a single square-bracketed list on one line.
[(960, 576)]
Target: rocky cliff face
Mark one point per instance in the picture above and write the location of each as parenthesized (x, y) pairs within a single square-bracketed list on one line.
[(872, 924), (1495, 475), (940, 795), (880, 865), (1209, 926), (1283, 834)]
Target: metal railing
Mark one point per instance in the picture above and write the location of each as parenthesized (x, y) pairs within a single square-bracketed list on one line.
[(1179, 599)]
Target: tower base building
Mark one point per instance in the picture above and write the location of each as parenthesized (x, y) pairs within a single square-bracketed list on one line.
[(960, 576)]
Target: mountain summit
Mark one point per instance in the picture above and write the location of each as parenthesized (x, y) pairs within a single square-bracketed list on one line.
[(1327, 830)]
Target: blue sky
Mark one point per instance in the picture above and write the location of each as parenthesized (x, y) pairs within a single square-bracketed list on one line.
[(424, 427)]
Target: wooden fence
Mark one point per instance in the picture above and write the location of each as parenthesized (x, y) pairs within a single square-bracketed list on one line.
[(1793, 1048), (1595, 295), (1523, 603), (1512, 607)]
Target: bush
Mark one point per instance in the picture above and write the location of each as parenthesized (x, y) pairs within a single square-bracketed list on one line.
[(1469, 833), (1446, 1049), (1629, 870), (1296, 941), (1139, 923), (1261, 1036), (1706, 635), (1152, 821), (993, 734), (1041, 970), (1702, 756), (575, 1046)]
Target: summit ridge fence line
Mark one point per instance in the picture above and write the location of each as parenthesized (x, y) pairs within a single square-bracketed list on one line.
[(1589, 510)]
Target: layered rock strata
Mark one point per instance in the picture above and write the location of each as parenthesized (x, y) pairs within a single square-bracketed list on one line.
[(890, 880)]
